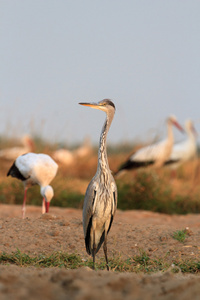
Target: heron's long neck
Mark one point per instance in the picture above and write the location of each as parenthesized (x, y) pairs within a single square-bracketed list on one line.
[(102, 154)]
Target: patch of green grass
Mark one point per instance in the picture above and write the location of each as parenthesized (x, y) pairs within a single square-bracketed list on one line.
[(180, 235), (189, 266), (139, 263), (56, 259)]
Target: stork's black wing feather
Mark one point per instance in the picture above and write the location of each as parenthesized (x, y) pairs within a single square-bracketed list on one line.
[(14, 172), (171, 161), (132, 164)]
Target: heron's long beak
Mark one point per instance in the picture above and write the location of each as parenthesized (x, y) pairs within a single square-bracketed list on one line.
[(178, 126), (93, 105)]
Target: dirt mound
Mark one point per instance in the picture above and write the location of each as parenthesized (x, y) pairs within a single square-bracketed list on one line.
[(61, 230)]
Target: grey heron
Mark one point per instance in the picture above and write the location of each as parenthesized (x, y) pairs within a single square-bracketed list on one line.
[(100, 201), (31, 169)]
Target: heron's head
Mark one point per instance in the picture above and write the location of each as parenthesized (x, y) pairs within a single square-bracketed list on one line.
[(105, 105), (172, 120), (47, 194)]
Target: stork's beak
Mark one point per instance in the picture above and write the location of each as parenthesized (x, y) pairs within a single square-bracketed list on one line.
[(178, 126), (47, 206), (93, 105)]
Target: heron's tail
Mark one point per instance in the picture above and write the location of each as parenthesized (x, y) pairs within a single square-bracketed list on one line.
[(88, 243)]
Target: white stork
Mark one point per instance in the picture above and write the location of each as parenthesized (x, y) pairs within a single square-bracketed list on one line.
[(13, 152), (185, 150), (84, 150), (64, 156), (67, 157), (31, 169), (155, 154)]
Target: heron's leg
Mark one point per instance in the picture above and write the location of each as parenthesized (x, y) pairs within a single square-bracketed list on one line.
[(105, 250), (94, 248), (24, 203)]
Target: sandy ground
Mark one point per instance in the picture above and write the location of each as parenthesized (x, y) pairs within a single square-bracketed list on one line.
[(132, 231)]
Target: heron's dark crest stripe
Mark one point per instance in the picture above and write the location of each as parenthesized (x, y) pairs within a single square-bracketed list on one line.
[(109, 102), (14, 172)]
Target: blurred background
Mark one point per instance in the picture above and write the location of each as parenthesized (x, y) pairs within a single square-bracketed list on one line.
[(144, 55)]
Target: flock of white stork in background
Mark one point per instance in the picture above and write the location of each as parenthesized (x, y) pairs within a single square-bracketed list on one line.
[(40, 169), (165, 152)]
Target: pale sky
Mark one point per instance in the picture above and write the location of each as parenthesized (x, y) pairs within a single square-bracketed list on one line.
[(144, 55)]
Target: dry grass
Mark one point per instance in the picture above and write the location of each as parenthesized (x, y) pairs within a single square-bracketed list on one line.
[(157, 188)]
